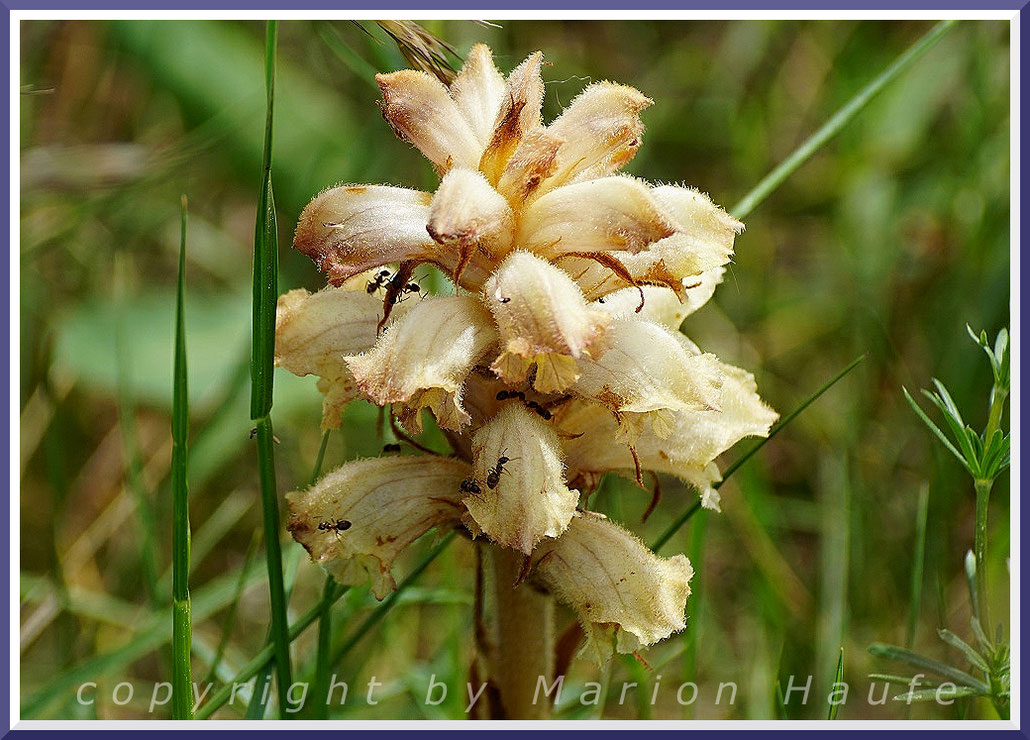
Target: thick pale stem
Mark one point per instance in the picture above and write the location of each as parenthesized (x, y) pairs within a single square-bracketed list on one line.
[(983, 497), (521, 628)]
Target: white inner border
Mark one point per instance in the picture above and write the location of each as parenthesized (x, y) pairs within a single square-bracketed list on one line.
[(14, 458)]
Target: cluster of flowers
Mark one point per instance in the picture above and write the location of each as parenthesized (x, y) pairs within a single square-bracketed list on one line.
[(558, 358)]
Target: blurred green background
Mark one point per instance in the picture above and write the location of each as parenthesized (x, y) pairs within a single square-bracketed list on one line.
[(887, 243)]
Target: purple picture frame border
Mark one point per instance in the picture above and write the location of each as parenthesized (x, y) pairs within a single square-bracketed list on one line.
[(643, 5)]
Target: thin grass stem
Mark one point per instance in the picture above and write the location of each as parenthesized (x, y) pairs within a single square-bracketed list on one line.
[(384, 608), (256, 664), (325, 619), (983, 499), (259, 661), (266, 247), (230, 618), (182, 628), (838, 121)]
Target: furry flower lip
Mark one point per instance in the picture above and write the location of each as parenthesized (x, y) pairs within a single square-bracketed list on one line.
[(556, 360)]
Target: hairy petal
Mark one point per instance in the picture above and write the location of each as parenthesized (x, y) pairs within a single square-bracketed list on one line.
[(689, 260), (615, 584), (388, 503), (421, 111), (601, 129), (688, 452), (423, 359), (544, 323), (313, 332), (468, 213), (529, 500), (531, 165), (518, 115), (671, 262), (661, 305), (610, 213), (478, 91), (647, 372), (349, 229), (710, 230)]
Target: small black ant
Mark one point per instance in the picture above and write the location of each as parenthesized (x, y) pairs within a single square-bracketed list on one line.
[(539, 410), (494, 475), (505, 395), (504, 299), (378, 282), (254, 431), (469, 485), (340, 525), (392, 447), (400, 288)]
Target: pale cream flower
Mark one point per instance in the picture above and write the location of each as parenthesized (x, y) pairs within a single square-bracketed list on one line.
[(647, 374), (307, 344), (558, 359), (545, 324), (519, 469), (359, 517), (596, 445), (615, 584), (422, 360)]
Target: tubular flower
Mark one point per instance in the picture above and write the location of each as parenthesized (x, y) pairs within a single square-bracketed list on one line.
[(557, 360)]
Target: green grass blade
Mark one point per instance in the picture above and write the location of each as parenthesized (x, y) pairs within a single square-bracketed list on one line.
[(258, 706), (685, 517), (388, 603), (789, 418), (259, 701), (266, 257), (837, 681), (362, 69), (266, 249), (918, 560), (319, 459), (934, 428), (325, 620), (230, 618), (838, 121), (262, 659), (675, 526), (781, 706), (927, 664), (324, 647), (182, 628)]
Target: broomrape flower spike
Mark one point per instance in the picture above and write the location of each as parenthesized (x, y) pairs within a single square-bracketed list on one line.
[(558, 358)]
